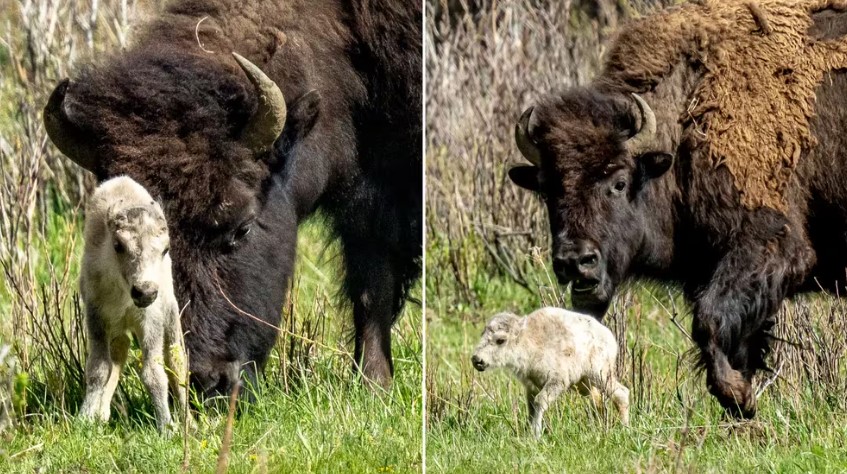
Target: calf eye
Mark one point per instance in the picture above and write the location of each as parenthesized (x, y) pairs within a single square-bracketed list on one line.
[(500, 341), (119, 247), (167, 249)]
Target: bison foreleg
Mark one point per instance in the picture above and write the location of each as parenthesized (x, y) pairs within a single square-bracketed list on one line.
[(735, 311)]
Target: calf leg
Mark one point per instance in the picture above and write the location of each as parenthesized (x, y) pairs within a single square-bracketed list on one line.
[(118, 349), (153, 373), (546, 396), (733, 314), (586, 389), (98, 368), (620, 397), (531, 393)]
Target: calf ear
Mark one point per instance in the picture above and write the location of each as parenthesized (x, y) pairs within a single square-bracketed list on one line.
[(654, 164), (525, 176)]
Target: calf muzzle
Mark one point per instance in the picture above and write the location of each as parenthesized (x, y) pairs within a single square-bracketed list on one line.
[(144, 294), (478, 363)]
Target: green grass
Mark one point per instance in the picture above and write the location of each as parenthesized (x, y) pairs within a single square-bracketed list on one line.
[(312, 416), (477, 421)]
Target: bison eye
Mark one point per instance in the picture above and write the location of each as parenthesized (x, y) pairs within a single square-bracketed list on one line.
[(119, 247), (237, 235), (620, 186), (241, 232), (500, 341)]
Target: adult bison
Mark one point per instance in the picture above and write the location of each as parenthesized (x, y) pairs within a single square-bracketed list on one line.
[(711, 151), (319, 110)]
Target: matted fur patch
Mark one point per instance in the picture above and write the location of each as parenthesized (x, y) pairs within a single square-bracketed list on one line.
[(756, 97)]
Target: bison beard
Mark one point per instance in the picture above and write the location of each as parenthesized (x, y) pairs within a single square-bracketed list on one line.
[(324, 114), (667, 212)]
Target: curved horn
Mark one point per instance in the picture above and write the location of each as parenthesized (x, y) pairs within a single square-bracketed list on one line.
[(265, 126), (643, 139), (65, 135), (525, 144)]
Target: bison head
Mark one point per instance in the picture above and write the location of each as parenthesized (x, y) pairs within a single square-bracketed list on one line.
[(593, 162), (201, 133)]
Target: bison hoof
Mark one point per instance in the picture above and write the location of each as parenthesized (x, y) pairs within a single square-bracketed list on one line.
[(378, 382), (735, 394), (376, 374)]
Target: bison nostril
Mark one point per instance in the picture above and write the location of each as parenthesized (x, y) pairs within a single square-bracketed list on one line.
[(589, 261), (136, 293), (560, 265)]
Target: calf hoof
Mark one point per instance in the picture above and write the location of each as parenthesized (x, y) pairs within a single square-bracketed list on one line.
[(735, 394), (168, 430)]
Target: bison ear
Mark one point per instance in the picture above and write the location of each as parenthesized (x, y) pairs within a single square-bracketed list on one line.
[(305, 110), (654, 164), (302, 116), (525, 176)]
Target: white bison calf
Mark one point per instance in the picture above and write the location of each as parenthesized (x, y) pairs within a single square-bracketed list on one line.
[(550, 351), (127, 287)]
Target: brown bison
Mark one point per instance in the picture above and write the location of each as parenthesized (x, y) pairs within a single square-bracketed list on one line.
[(319, 110), (641, 179)]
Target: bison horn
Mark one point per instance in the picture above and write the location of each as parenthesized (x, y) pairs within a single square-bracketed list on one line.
[(265, 126), (643, 139), (525, 143), (64, 133)]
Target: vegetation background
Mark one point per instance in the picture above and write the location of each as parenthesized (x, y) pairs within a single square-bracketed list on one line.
[(487, 251), (312, 415)]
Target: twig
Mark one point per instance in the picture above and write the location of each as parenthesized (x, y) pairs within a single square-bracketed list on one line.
[(769, 381), (197, 35), (226, 442), (274, 327), (31, 448)]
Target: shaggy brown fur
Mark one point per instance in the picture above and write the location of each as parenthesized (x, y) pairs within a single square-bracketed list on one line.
[(750, 78)]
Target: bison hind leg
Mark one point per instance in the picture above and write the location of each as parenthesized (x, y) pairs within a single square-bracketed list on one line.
[(381, 250)]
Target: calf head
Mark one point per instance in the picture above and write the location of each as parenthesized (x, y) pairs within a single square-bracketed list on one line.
[(591, 160), (497, 342), (139, 238)]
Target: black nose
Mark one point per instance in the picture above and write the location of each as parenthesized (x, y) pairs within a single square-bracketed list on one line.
[(478, 363), (577, 260), (144, 294)]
